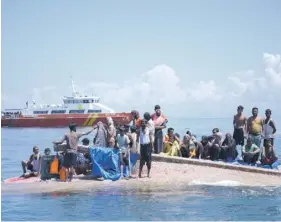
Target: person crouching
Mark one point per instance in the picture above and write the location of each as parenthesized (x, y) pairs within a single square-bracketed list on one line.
[(146, 142)]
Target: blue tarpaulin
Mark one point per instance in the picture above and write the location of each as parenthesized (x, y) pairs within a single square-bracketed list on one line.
[(106, 163)]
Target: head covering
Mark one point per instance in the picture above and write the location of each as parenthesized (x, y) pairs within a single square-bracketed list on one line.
[(109, 120), (47, 150)]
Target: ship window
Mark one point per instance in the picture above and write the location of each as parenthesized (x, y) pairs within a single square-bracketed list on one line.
[(85, 101), (40, 112), (57, 111), (77, 111), (94, 111)]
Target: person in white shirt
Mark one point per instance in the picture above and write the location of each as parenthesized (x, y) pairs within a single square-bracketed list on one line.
[(269, 128), (123, 142), (146, 141)]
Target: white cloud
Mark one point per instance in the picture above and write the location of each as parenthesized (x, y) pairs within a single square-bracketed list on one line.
[(161, 85)]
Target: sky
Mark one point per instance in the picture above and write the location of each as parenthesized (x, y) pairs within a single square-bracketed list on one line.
[(193, 58)]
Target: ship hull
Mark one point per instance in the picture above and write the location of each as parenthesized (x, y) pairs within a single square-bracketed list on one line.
[(83, 120)]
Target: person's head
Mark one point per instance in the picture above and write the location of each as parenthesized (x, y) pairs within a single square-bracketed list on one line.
[(143, 123), (204, 139), (188, 132), (157, 109), (255, 111), (177, 135), (111, 142), (147, 116), (228, 136), (122, 131), (86, 142), (240, 109), (35, 150), (133, 129), (211, 138), (186, 138), (249, 142), (215, 131), (109, 121), (135, 114), (170, 132), (47, 151), (267, 143), (72, 127), (268, 113)]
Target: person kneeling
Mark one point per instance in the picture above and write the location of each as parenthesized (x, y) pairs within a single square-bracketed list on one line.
[(250, 152), (33, 164)]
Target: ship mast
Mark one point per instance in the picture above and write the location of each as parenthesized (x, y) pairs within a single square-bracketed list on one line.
[(74, 93)]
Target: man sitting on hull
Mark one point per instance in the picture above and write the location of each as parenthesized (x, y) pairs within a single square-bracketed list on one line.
[(250, 152), (33, 164)]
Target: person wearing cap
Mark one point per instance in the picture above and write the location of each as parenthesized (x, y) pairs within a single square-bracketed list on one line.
[(72, 140), (146, 141), (269, 128), (47, 152), (160, 122), (123, 142), (240, 126)]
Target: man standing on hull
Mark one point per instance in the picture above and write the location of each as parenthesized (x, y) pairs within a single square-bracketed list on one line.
[(240, 126), (255, 128), (160, 122)]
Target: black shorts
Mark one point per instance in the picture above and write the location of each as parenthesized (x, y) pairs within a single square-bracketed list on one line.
[(30, 167), (146, 154), (70, 159), (238, 136), (124, 159)]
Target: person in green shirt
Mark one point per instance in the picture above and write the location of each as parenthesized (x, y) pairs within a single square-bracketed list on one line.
[(250, 152)]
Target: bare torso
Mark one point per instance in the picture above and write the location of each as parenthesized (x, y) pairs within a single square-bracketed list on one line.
[(239, 121)]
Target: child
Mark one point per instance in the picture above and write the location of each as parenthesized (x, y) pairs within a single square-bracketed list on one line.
[(123, 142)]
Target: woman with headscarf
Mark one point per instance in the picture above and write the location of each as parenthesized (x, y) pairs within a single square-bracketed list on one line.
[(111, 130), (100, 139), (187, 147)]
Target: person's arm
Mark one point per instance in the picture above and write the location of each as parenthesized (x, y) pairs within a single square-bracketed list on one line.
[(86, 133), (272, 124), (40, 165), (60, 142), (234, 122), (248, 125), (245, 125)]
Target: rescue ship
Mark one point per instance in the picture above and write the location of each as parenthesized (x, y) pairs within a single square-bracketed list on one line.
[(80, 109)]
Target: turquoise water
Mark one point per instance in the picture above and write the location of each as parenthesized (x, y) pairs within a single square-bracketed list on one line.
[(198, 202)]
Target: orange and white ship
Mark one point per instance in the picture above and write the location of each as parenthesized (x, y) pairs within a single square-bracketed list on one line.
[(80, 109)]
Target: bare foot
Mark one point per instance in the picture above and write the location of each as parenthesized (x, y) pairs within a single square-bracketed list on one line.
[(139, 175)]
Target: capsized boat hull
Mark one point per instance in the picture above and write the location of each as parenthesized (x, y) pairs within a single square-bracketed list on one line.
[(64, 120)]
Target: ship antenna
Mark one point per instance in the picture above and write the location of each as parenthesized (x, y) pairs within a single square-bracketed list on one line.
[(74, 93)]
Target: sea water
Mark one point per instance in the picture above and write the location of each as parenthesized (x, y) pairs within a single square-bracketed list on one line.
[(225, 200)]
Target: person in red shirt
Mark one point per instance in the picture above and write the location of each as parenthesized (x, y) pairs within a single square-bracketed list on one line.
[(160, 122)]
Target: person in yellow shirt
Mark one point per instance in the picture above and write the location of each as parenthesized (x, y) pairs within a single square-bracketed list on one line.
[(171, 145), (255, 128)]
